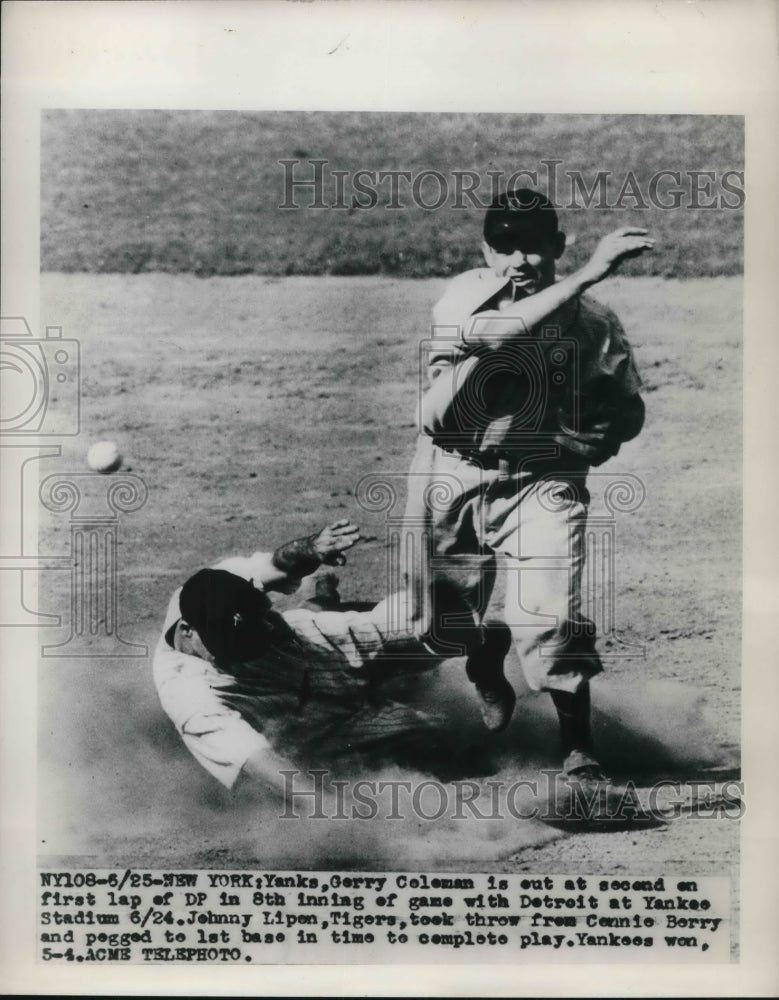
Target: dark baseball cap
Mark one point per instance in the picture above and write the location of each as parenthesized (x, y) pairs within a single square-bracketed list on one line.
[(227, 612), (518, 216)]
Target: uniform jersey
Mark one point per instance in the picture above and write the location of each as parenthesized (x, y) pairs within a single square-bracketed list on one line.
[(548, 385)]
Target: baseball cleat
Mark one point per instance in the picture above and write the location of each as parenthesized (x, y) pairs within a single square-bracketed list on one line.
[(583, 798), (496, 703), (582, 765), (484, 669)]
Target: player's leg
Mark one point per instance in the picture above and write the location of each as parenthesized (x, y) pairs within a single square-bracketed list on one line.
[(450, 573), (543, 535), (485, 670), (573, 712)]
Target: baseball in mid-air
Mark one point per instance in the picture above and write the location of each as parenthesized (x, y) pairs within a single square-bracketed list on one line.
[(104, 457)]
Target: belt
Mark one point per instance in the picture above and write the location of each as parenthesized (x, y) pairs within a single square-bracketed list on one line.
[(509, 461)]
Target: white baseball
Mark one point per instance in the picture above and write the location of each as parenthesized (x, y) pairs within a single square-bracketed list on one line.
[(104, 457)]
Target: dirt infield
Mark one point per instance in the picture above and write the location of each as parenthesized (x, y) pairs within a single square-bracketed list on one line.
[(251, 408)]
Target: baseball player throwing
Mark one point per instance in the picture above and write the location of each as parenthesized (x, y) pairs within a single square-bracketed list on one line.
[(531, 383)]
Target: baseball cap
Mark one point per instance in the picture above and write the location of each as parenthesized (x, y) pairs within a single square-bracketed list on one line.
[(228, 613), (517, 216)]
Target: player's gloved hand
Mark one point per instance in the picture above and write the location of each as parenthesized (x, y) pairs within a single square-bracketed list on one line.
[(612, 250), (304, 556), (590, 429), (595, 428), (597, 443), (332, 541)]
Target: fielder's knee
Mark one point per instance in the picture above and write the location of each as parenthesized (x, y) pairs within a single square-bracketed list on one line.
[(561, 658)]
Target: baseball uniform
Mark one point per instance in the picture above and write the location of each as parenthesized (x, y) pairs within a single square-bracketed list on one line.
[(312, 695), (501, 467)]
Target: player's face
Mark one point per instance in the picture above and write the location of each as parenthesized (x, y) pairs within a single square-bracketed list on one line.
[(187, 640), (529, 261)]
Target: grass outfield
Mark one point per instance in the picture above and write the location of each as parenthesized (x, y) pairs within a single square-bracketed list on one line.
[(198, 192)]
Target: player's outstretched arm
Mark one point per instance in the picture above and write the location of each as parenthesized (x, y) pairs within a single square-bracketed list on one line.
[(613, 249), (266, 769), (331, 542), (519, 317), (327, 547), (283, 569)]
